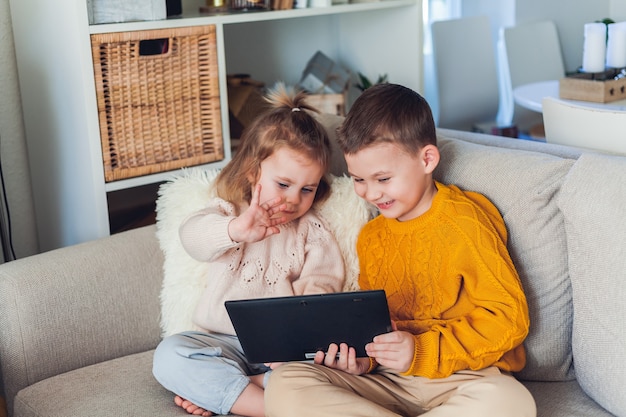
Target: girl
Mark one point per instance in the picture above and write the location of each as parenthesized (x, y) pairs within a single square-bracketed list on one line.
[(262, 240)]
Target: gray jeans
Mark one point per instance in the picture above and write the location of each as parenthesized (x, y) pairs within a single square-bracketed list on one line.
[(209, 370)]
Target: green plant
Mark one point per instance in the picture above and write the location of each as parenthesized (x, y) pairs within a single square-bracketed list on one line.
[(607, 21), (365, 83)]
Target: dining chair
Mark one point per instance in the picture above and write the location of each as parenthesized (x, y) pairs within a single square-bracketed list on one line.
[(528, 53), (582, 126), (465, 68)]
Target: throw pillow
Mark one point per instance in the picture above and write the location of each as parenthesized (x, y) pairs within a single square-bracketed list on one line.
[(593, 200), (184, 277)]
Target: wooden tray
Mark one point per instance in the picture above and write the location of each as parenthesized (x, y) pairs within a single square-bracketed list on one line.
[(596, 87)]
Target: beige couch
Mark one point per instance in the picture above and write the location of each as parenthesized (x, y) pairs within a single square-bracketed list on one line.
[(79, 325)]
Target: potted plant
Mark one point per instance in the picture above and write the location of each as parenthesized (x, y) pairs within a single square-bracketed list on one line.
[(365, 83)]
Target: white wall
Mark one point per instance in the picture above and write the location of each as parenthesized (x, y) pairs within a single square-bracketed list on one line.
[(618, 10), (500, 12), (570, 18), (13, 145)]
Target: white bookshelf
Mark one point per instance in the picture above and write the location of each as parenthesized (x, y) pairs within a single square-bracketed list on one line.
[(52, 42)]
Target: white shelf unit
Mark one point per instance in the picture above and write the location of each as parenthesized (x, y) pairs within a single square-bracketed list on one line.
[(53, 52)]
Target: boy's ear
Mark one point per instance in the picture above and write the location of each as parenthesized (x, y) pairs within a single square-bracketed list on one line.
[(430, 158)]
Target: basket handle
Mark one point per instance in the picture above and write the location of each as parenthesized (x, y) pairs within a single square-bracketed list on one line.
[(155, 47)]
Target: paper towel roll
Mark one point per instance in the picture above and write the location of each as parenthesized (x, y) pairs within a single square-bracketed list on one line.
[(616, 47), (594, 48)]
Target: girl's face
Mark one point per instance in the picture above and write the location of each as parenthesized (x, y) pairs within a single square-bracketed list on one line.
[(291, 176), (399, 184)]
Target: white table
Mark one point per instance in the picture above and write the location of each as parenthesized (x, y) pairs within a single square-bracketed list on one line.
[(531, 95)]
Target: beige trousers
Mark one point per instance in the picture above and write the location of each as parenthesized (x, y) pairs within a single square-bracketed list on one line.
[(303, 389)]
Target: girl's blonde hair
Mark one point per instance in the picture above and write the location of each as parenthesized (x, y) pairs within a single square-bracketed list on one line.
[(287, 123)]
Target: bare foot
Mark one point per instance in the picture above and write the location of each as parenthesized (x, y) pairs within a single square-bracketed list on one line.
[(191, 408)]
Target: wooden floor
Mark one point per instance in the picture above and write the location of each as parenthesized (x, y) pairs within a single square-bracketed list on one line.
[(3, 411)]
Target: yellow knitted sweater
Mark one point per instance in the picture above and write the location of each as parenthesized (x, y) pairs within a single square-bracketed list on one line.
[(450, 282)]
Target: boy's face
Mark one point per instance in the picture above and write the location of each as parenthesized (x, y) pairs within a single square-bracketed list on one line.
[(291, 176), (399, 184)]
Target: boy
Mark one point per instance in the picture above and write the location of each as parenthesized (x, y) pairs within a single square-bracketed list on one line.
[(459, 312)]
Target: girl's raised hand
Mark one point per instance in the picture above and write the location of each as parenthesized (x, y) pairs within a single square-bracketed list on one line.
[(259, 220)]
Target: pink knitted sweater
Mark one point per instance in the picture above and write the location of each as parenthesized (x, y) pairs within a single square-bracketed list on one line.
[(304, 258)]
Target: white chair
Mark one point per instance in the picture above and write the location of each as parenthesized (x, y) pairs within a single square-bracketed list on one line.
[(465, 68), (584, 126), (530, 52)]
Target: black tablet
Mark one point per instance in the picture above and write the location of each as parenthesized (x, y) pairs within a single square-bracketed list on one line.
[(282, 329)]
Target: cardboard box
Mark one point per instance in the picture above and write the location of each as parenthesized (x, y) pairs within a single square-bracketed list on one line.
[(245, 102), (596, 87), (323, 76), (282, 4), (328, 103)]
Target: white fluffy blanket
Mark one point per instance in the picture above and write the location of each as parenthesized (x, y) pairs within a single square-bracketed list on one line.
[(184, 278)]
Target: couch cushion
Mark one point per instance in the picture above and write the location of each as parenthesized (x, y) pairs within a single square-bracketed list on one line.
[(120, 387), (523, 185), (593, 200), (562, 151), (75, 306), (184, 277), (125, 387), (563, 399)]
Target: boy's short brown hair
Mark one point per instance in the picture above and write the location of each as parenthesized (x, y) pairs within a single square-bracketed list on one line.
[(388, 113)]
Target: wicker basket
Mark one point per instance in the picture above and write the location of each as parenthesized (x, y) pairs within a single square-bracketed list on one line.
[(159, 108)]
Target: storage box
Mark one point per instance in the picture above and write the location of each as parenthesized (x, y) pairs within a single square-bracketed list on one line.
[(323, 75), (158, 100), (597, 87), (328, 103), (282, 4), (115, 11), (245, 102)]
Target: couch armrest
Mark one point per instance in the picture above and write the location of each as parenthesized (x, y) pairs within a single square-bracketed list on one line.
[(77, 306)]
